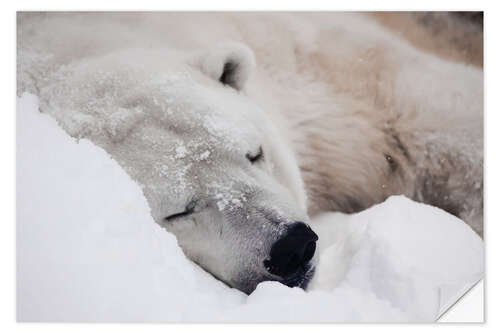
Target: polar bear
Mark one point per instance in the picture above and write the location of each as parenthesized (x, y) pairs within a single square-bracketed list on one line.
[(240, 127)]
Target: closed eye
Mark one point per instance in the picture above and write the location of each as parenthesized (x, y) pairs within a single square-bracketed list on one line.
[(189, 210), (255, 157)]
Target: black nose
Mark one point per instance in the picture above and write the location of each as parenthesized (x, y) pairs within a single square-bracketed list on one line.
[(292, 251)]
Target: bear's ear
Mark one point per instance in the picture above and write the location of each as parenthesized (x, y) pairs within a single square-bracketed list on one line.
[(229, 63)]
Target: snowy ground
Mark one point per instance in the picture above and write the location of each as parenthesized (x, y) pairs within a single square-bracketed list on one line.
[(88, 250)]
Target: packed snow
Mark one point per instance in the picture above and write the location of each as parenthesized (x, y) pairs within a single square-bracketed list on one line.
[(88, 250)]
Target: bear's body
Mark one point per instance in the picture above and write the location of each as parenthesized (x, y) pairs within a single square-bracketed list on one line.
[(359, 111)]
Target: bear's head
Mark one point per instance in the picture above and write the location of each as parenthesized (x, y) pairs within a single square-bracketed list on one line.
[(215, 169)]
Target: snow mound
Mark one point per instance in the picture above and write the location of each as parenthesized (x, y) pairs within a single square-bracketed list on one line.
[(417, 257), (88, 250)]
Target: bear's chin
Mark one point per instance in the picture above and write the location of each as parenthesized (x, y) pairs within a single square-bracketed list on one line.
[(301, 278)]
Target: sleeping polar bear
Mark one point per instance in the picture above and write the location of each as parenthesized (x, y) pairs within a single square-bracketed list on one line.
[(240, 126)]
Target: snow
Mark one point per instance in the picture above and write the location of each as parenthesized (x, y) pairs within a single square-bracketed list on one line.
[(88, 250), (204, 155), (417, 257), (180, 152)]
